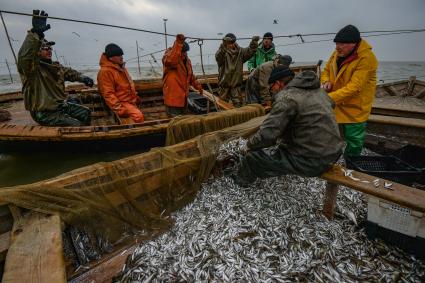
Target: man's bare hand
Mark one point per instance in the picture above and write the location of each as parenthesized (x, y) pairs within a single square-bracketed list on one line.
[(327, 86)]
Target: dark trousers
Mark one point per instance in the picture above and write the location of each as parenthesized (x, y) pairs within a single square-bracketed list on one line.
[(176, 111), (267, 162), (233, 95), (67, 114)]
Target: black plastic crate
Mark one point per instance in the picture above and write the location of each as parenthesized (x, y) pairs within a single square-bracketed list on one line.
[(415, 156), (386, 167), (411, 245), (412, 154), (199, 104)]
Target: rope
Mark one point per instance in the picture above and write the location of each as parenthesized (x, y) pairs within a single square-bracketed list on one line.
[(203, 38), (8, 38), (200, 43), (156, 52), (372, 35)]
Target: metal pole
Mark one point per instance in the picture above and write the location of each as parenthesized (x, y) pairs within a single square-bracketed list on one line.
[(138, 58), (165, 32), (8, 38), (10, 74)]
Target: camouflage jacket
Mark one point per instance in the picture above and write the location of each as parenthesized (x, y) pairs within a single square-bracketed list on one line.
[(259, 78), (43, 84), (230, 64)]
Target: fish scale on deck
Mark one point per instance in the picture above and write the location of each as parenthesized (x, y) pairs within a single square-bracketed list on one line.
[(272, 231)]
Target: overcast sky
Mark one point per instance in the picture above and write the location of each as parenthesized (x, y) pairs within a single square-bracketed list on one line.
[(82, 43)]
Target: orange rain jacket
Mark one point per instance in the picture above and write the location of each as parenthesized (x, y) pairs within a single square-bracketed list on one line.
[(116, 87), (177, 76), (354, 85)]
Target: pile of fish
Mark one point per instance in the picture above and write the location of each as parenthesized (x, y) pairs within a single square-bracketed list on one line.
[(272, 231)]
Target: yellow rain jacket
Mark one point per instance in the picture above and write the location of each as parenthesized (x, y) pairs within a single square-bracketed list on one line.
[(354, 86)]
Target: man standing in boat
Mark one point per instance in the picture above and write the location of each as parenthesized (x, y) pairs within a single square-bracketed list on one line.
[(230, 59), (299, 136), (177, 77), (265, 52), (43, 81), (257, 85), (116, 85), (350, 80)]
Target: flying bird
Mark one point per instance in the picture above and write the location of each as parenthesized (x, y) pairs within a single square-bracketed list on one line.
[(275, 22), (76, 34)]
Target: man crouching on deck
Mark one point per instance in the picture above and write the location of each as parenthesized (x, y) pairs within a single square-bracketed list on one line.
[(43, 81), (302, 119)]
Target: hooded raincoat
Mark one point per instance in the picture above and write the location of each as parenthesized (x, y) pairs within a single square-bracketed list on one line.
[(261, 56), (177, 76), (302, 124), (117, 88), (354, 85), (230, 70)]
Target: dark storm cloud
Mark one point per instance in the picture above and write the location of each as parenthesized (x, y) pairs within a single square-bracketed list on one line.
[(208, 18)]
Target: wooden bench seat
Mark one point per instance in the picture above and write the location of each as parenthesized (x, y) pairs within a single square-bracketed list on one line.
[(400, 194)]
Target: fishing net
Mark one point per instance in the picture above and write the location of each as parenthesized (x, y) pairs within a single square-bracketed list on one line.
[(135, 195), (186, 127)]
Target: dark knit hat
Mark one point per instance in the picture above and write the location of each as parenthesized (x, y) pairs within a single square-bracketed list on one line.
[(348, 34), (280, 72), (112, 50), (285, 60), (185, 47), (268, 35), (230, 37)]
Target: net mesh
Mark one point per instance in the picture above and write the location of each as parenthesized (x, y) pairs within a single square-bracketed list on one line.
[(136, 194), (186, 127)]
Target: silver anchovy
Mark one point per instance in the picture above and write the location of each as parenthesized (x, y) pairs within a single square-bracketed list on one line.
[(272, 231)]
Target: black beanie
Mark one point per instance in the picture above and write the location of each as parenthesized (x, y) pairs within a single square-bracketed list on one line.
[(348, 34), (280, 72), (185, 47), (268, 35), (112, 50), (230, 36)]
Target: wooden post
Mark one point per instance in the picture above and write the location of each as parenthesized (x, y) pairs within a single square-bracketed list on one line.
[(138, 58), (10, 74), (35, 253), (329, 202), (8, 38), (410, 86), (165, 32)]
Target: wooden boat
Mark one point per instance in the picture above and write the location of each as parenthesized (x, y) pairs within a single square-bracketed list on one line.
[(107, 133), (33, 244), (401, 99), (386, 134), (398, 116)]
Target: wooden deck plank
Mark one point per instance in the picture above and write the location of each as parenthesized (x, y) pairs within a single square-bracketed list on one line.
[(35, 253), (399, 194)]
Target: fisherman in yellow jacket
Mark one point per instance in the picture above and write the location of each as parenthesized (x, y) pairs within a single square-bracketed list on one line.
[(350, 80)]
